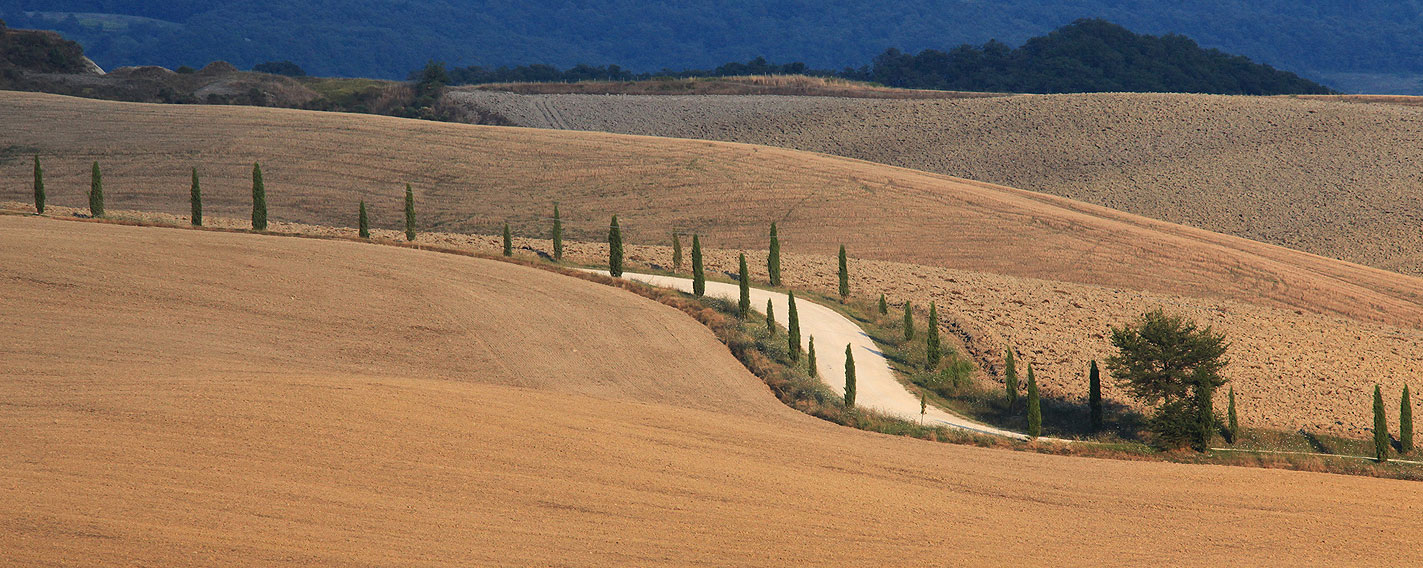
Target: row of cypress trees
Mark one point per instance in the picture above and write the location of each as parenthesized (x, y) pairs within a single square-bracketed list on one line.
[(1405, 425), (195, 195)]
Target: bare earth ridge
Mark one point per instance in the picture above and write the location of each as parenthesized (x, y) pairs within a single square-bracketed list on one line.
[(188, 398)]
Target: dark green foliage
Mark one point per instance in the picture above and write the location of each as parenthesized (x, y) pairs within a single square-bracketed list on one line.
[(743, 305), (1232, 424), (699, 275), (932, 347), (1169, 362), (39, 186), (676, 253), (1405, 423), (409, 213), (508, 241), (849, 378), (810, 366), (1010, 377), (96, 192), (557, 234), (363, 224), (280, 68), (259, 200), (1381, 441), (195, 201), (770, 317), (773, 258), (883, 305), (844, 274), (1035, 408), (1094, 396), (908, 321), (615, 248), (792, 328)]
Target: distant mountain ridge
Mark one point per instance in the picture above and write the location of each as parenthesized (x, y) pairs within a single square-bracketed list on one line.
[(1368, 45)]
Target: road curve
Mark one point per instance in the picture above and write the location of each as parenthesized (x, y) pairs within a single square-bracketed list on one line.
[(876, 386)]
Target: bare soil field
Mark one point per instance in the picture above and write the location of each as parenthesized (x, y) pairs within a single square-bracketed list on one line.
[(1323, 176), (196, 398)]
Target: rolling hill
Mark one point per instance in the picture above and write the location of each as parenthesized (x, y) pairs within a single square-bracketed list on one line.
[(1045, 274), (195, 398)]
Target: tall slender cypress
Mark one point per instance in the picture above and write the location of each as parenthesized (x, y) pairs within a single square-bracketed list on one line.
[(1010, 377), (792, 328), (1094, 395), (883, 305), (195, 201), (699, 276), (615, 248), (849, 377), (508, 241), (363, 225), (557, 234), (259, 199), (773, 258), (1380, 427), (1232, 424), (743, 305), (96, 192), (409, 213), (676, 254), (770, 317), (810, 360), (844, 274), (1035, 408), (908, 322), (39, 187), (1405, 423), (932, 353)]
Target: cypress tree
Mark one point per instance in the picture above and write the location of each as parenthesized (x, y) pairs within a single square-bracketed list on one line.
[(773, 258), (557, 234), (792, 328), (908, 322), (409, 213), (743, 306), (195, 200), (932, 355), (615, 248), (770, 318), (1205, 425), (1232, 424), (39, 187), (259, 200), (699, 276), (849, 377), (1010, 378), (1094, 395), (1035, 409), (844, 274), (96, 192), (1380, 427), (508, 241), (1405, 423), (810, 360), (364, 222), (676, 254), (883, 306)]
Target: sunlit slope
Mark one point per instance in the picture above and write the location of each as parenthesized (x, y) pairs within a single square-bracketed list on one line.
[(193, 398), (467, 178)]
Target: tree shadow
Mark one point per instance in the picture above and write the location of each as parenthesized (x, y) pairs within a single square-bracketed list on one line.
[(1315, 443)]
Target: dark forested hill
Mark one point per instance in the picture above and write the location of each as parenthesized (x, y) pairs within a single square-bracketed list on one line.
[(1366, 45)]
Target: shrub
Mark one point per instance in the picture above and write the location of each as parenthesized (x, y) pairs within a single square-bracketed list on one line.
[(259, 200), (1094, 396), (792, 328), (932, 352), (96, 192), (1380, 427), (195, 201), (1010, 378), (364, 222), (508, 241), (615, 248), (849, 378), (844, 274), (557, 234), (1035, 409), (1169, 362), (743, 305), (676, 254), (39, 186), (699, 275), (883, 306), (1405, 423), (773, 258), (810, 360), (409, 213), (908, 322)]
